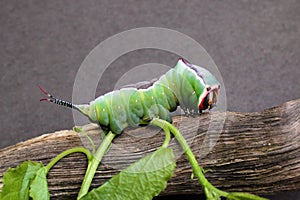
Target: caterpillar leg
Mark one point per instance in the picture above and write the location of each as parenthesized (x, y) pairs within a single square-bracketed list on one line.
[(117, 126), (164, 114)]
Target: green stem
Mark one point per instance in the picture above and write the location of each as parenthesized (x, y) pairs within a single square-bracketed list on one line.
[(167, 139), (162, 124), (197, 170), (93, 164), (80, 130), (67, 152)]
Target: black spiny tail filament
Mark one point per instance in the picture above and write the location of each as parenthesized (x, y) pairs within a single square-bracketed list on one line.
[(55, 100), (62, 102)]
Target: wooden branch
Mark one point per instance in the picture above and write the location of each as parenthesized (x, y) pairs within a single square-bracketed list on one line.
[(255, 152)]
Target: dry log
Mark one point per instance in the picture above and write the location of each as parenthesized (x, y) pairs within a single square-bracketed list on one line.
[(254, 152)]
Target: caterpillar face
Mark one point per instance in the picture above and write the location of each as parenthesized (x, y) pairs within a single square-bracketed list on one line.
[(210, 99), (207, 99)]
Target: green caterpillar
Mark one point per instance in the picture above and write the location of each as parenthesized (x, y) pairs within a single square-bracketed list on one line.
[(193, 88)]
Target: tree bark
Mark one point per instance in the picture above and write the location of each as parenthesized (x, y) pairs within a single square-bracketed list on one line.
[(252, 152)]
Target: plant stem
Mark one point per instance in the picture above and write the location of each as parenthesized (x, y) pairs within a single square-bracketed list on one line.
[(80, 130), (162, 124), (197, 170), (67, 152), (93, 164)]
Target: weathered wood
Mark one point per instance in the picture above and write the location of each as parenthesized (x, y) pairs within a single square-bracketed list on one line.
[(255, 152)]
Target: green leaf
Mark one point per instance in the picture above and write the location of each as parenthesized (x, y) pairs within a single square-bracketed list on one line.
[(17, 181), (143, 179), (39, 186), (243, 196)]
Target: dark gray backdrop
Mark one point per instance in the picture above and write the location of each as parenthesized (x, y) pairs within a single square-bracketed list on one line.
[(255, 44)]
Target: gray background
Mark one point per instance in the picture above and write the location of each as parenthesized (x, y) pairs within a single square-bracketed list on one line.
[(255, 44)]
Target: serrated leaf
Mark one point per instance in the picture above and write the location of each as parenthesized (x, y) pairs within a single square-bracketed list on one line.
[(143, 179), (243, 196), (39, 186), (16, 181)]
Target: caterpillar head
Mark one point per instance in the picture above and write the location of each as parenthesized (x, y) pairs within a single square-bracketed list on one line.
[(209, 100), (207, 84)]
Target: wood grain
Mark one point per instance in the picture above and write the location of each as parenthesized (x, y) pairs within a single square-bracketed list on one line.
[(253, 152)]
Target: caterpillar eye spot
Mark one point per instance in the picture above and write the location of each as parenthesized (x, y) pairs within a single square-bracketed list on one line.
[(208, 88)]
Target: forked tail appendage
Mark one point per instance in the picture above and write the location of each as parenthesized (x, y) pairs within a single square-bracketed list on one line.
[(55, 100)]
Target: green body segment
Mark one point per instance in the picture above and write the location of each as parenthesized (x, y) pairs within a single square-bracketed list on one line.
[(130, 106)]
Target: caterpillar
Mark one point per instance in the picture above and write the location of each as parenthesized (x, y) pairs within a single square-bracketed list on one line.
[(191, 87)]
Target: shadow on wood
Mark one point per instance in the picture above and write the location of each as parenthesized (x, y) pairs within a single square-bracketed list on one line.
[(255, 152)]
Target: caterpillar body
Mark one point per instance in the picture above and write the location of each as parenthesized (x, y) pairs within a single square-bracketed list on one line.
[(191, 87)]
